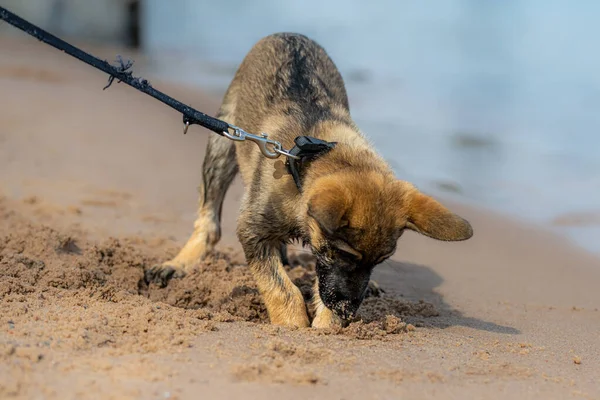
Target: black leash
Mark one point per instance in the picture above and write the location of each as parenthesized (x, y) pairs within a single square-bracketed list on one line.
[(120, 73), (306, 149)]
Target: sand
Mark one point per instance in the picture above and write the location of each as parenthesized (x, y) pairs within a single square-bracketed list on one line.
[(96, 187)]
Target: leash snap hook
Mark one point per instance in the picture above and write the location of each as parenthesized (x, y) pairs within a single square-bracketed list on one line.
[(268, 147)]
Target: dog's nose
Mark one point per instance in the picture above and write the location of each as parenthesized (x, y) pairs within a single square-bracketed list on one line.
[(346, 309)]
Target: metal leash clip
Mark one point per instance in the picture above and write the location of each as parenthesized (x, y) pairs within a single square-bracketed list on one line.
[(269, 148)]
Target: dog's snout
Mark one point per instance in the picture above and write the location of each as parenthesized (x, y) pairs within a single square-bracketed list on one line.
[(342, 289), (346, 309)]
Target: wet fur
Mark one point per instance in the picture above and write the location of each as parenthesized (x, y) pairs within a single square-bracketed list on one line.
[(351, 210)]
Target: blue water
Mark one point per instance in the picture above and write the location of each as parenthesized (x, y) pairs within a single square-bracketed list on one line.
[(493, 103)]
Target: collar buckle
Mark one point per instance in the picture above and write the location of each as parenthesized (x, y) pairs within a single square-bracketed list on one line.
[(307, 149)]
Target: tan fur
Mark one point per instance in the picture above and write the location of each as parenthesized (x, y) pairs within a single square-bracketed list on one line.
[(351, 206), (285, 303)]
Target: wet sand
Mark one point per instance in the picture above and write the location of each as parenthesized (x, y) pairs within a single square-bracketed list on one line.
[(96, 186)]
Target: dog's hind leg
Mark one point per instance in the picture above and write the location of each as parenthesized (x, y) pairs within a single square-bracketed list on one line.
[(219, 168)]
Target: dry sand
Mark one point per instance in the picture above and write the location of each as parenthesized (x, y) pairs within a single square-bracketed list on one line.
[(97, 186)]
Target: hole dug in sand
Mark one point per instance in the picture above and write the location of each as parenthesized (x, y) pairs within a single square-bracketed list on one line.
[(223, 285)]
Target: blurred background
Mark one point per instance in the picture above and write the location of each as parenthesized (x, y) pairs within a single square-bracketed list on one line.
[(489, 103)]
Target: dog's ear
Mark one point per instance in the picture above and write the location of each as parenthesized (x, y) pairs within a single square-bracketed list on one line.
[(427, 216), (328, 208)]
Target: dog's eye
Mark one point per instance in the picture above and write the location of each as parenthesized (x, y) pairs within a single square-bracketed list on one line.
[(348, 251), (349, 255)]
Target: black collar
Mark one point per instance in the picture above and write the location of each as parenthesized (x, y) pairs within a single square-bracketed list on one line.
[(307, 148)]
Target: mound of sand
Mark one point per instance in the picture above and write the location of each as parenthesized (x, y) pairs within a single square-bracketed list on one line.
[(57, 289)]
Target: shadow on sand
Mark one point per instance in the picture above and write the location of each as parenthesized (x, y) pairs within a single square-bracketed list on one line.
[(417, 282)]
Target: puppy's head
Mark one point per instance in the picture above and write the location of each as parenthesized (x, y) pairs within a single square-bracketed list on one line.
[(354, 221)]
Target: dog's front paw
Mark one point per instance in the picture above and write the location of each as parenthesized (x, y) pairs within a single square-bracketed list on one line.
[(287, 308), (325, 318), (298, 320), (162, 274)]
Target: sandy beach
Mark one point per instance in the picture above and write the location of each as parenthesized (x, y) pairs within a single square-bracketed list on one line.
[(96, 186)]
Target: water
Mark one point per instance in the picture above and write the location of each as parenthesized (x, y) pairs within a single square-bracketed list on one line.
[(491, 103)]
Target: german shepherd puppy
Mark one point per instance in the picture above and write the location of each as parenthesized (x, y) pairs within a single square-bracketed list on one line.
[(350, 210)]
